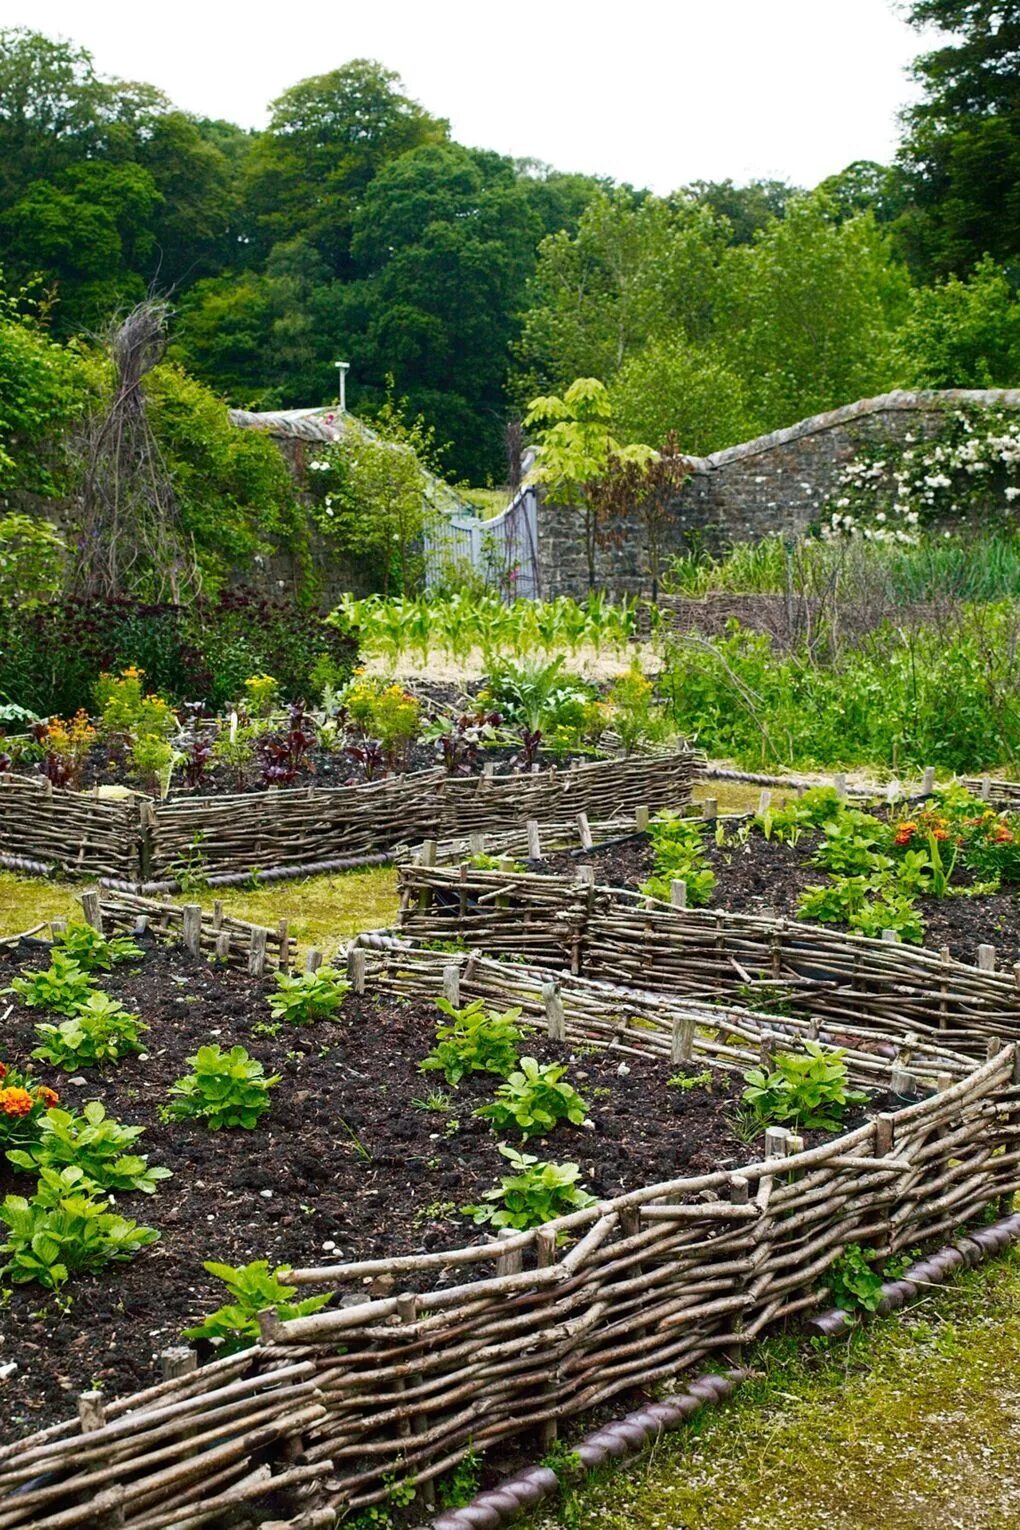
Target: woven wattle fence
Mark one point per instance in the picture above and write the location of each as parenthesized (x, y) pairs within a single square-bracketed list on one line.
[(613, 935), (423, 1359), (138, 842)]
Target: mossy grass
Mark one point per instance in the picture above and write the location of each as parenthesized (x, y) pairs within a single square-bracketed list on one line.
[(912, 1422)]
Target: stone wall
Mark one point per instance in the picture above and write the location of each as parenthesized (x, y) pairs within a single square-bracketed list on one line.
[(774, 485)]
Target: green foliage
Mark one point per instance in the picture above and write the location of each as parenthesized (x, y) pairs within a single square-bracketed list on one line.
[(64, 986), (679, 856), (904, 696), (673, 385), (93, 951), (223, 1089), (477, 1041), (871, 904), (94, 1143), (534, 1099), (806, 1091), (964, 334), (100, 1030), (534, 1193), (253, 1288), (44, 387), (633, 713), (32, 556), (459, 1485), (65, 1229), (372, 499), (854, 1285), (688, 1081), (312, 996), (50, 657)]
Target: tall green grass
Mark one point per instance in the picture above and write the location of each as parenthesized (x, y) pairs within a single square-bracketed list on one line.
[(978, 569)]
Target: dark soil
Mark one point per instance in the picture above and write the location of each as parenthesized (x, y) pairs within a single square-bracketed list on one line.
[(321, 767), (342, 1166), (767, 877)]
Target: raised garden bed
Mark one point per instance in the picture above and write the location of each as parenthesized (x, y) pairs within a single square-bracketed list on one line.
[(424, 1355), (143, 842)]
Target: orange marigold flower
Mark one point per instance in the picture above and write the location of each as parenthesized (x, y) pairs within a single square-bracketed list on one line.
[(16, 1102), (48, 1096), (905, 833)]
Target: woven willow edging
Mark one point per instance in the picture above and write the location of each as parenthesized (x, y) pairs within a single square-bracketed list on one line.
[(331, 1409), (137, 841), (613, 935)]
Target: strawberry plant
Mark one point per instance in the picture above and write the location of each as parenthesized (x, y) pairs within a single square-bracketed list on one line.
[(94, 1143), (65, 1229), (534, 1193), (101, 1030), (312, 996), (253, 1288), (807, 1091), (477, 1041), (223, 1089), (533, 1100)]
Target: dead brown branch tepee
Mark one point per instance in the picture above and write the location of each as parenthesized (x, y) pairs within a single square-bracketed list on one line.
[(130, 540)]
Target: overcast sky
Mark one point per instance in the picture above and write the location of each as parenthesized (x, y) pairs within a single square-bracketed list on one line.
[(657, 94)]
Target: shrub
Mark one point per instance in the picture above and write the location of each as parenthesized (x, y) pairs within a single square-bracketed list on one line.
[(51, 656), (535, 1193), (223, 1089), (534, 1099), (253, 1288), (65, 1229), (312, 996), (477, 1041), (94, 1143), (805, 1090), (100, 1030)]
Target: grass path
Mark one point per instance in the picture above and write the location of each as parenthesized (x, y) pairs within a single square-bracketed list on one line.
[(321, 911), (914, 1425)]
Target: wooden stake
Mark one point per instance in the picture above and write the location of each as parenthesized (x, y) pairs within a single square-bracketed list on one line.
[(192, 928), (986, 958), (90, 907), (555, 1021), (928, 781), (839, 782), (451, 984), (534, 840), (682, 1039), (257, 952), (313, 960), (356, 968), (584, 830), (678, 892), (642, 818), (764, 801), (710, 809)]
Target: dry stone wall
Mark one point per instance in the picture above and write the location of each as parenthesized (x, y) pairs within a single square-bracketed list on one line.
[(774, 485)]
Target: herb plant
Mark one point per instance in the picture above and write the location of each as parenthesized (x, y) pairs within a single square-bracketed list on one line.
[(101, 1030), (67, 1228), (477, 1041), (534, 1193), (93, 952), (223, 1089), (807, 1091), (534, 1099), (253, 1288), (312, 996), (679, 855), (94, 1143), (63, 986)]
